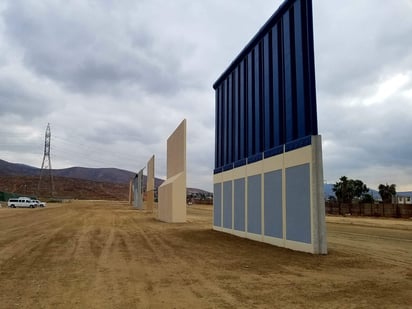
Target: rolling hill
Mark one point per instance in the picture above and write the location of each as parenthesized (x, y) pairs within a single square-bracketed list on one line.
[(111, 175), (73, 182)]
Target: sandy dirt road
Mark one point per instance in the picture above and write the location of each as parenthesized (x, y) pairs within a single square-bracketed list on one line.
[(99, 254)]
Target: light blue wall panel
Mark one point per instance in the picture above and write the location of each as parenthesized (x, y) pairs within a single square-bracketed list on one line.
[(273, 204), (217, 204), (298, 203), (254, 201), (227, 204), (239, 204)]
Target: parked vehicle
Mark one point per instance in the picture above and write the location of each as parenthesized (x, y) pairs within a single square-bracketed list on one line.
[(39, 203), (21, 202)]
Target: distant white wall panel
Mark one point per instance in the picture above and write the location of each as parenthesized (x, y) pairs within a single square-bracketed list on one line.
[(150, 186)]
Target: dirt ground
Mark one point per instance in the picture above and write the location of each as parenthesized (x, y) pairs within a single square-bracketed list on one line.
[(100, 254)]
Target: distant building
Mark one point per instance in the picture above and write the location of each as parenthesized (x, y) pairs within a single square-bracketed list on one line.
[(404, 199)]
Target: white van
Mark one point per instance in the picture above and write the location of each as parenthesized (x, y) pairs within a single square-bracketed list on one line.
[(21, 202)]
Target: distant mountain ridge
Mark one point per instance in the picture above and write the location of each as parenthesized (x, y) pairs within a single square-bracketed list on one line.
[(110, 175)]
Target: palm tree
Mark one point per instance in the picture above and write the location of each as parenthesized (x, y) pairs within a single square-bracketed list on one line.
[(347, 189), (387, 192)]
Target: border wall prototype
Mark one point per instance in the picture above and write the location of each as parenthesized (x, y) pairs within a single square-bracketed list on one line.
[(138, 190), (150, 183), (172, 192), (268, 176)]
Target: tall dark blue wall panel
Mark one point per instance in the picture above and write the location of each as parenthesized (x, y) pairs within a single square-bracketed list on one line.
[(250, 104), (242, 110), (267, 96), (277, 126), (236, 113)]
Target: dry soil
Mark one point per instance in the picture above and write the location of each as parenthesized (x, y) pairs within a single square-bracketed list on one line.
[(100, 254)]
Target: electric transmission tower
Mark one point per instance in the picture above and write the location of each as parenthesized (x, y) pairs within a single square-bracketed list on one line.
[(46, 168)]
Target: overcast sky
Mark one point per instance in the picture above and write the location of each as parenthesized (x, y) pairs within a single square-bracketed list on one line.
[(115, 78)]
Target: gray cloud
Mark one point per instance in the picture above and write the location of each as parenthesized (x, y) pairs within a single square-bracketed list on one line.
[(86, 49), (357, 42), (17, 100)]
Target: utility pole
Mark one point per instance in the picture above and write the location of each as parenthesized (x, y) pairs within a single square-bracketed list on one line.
[(46, 168)]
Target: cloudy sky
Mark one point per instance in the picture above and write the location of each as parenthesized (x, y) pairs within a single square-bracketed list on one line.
[(115, 78)]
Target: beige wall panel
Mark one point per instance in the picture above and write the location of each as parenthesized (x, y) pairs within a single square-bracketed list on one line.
[(239, 172), (150, 174), (172, 199), (254, 168), (176, 151), (172, 192), (130, 192), (298, 156), (217, 178), (227, 176), (273, 163)]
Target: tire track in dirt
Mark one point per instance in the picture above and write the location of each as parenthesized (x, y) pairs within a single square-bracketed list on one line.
[(33, 258), (386, 248), (114, 271), (30, 237), (28, 218), (189, 277)]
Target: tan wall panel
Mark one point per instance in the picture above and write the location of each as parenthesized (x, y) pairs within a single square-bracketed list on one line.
[(131, 192), (172, 192), (273, 163), (150, 174), (298, 156), (176, 151)]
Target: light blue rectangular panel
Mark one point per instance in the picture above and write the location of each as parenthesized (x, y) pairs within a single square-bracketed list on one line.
[(217, 204), (227, 204), (298, 226), (254, 202), (273, 204), (239, 204)]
